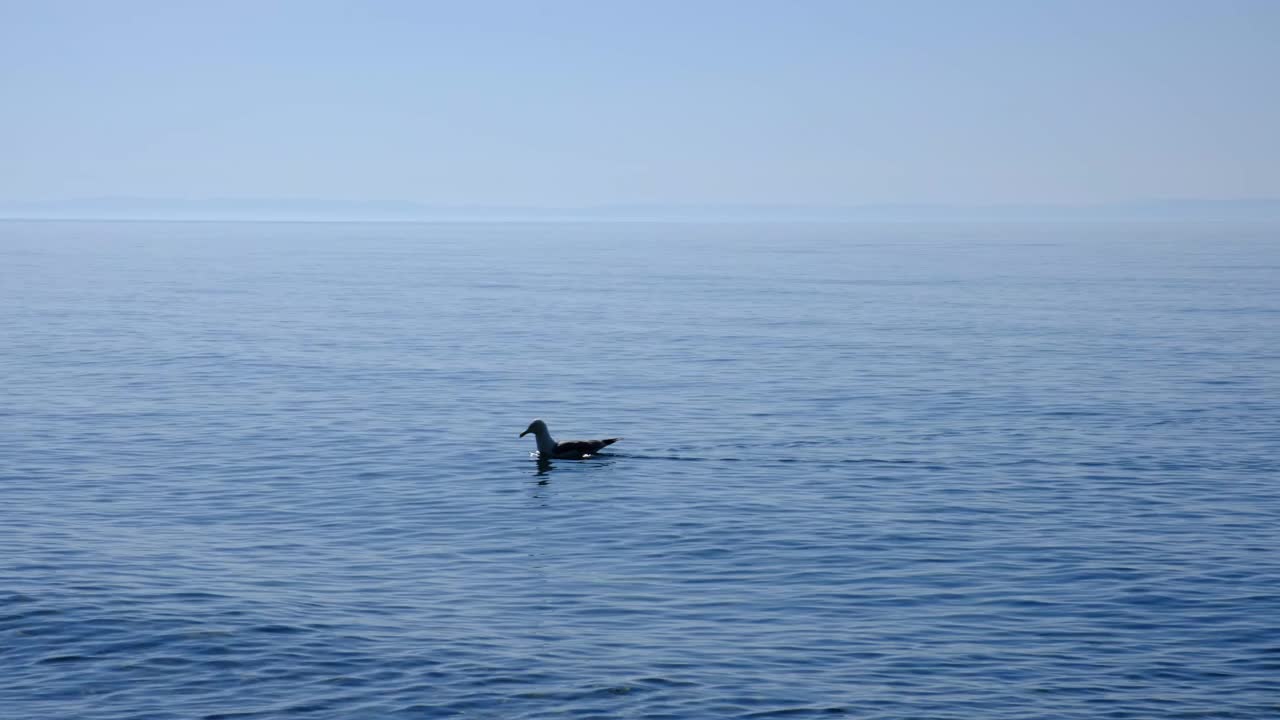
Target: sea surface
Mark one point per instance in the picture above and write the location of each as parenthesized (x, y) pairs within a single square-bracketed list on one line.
[(900, 471)]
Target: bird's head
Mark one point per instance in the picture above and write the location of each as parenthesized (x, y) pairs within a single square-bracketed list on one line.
[(537, 427)]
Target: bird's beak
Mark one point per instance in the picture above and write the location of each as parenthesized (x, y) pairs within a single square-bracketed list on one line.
[(526, 432)]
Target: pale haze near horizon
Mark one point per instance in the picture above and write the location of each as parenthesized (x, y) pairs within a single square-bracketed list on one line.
[(569, 104)]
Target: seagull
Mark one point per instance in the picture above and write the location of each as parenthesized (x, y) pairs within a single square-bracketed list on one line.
[(548, 448)]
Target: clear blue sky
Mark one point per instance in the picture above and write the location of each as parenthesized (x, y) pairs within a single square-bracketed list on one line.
[(548, 103)]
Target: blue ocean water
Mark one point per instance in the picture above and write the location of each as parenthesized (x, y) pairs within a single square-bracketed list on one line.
[(875, 471)]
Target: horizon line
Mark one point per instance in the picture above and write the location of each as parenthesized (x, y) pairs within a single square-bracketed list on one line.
[(312, 210)]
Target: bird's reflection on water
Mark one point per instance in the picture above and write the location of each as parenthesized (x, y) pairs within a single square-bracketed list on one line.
[(545, 465), (544, 469)]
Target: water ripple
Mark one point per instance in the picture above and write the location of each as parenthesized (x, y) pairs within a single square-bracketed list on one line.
[(876, 472)]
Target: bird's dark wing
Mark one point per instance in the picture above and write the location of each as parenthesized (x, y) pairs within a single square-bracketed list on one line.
[(580, 448)]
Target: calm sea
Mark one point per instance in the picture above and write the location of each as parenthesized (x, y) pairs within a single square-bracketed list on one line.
[(878, 471)]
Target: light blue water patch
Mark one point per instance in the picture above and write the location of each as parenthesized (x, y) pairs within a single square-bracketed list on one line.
[(901, 471)]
